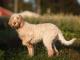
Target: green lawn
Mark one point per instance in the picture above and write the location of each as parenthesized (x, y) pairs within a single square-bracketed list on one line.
[(70, 29)]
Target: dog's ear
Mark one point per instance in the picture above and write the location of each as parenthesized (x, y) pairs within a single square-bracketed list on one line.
[(21, 21), (21, 17)]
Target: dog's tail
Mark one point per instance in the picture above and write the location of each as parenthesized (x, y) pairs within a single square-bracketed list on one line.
[(63, 41)]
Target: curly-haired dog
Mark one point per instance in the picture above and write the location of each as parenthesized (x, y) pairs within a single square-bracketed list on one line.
[(33, 33)]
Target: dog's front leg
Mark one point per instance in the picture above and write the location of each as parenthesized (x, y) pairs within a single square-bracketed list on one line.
[(26, 42), (30, 49)]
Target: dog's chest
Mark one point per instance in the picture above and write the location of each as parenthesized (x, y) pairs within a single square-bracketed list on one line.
[(24, 33)]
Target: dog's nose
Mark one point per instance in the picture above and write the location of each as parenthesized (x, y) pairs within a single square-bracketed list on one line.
[(14, 23)]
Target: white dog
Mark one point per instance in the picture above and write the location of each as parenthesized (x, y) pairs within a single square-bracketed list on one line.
[(33, 33)]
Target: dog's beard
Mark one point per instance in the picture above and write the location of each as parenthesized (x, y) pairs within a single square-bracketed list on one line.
[(15, 26), (20, 25)]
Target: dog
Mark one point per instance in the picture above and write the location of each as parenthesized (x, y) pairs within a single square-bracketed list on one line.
[(31, 34)]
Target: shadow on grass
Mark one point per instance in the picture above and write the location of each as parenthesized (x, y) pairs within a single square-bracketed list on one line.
[(75, 46), (9, 42)]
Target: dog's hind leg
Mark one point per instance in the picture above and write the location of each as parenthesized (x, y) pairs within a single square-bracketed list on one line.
[(49, 48)]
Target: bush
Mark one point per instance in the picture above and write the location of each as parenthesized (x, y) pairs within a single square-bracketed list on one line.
[(1, 55)]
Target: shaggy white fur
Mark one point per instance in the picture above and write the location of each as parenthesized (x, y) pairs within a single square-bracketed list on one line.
[(33, 33)]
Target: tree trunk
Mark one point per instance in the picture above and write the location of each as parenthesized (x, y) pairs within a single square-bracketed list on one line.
[(15, 6), (37, 8)]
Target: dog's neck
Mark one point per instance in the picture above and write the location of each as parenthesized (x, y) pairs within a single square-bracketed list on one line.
[(20, 26)]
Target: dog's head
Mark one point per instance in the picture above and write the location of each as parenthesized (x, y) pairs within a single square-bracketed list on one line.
[(16, 21)]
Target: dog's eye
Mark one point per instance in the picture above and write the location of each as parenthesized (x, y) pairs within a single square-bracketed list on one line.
[(17, 17)]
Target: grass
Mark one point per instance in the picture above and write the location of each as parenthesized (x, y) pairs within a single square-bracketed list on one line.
[(70, 26)]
